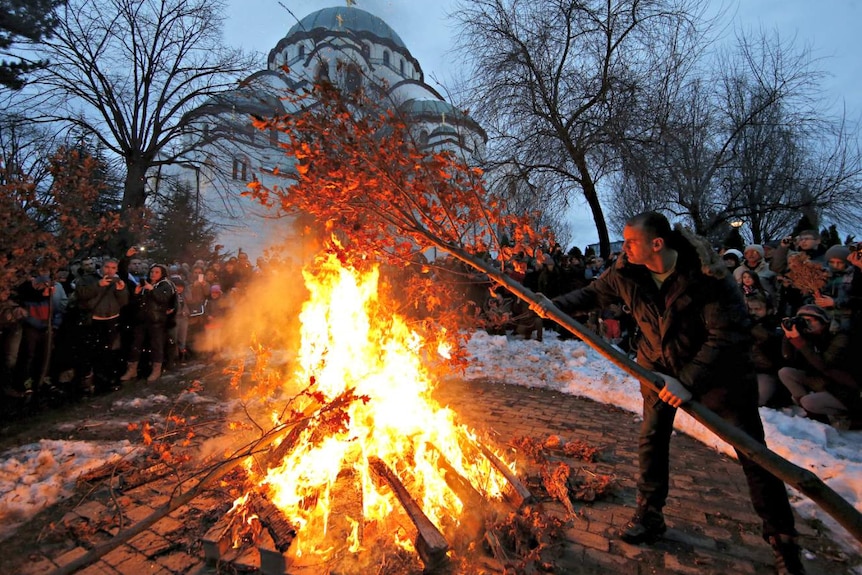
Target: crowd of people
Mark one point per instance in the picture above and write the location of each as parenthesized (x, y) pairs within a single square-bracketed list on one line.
[(103, 322), (803, 324)]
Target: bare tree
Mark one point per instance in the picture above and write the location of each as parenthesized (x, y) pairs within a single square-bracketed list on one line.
[(554, 82), (743, 141), (129, 71)]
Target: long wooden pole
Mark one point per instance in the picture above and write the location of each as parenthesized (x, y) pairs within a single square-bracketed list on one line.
[(802, 479)]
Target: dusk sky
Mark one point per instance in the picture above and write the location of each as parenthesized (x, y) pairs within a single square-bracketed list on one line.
[(829, 29)]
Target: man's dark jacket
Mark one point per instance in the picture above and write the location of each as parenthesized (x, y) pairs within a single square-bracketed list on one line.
[(696, 328)]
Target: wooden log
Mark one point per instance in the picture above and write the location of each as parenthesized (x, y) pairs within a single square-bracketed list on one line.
[(430, 543), (471, 496), (519, 494), (272, 561), (271, 517), (216, 541)]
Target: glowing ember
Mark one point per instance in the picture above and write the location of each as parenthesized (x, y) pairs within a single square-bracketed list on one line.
[(348, 342)]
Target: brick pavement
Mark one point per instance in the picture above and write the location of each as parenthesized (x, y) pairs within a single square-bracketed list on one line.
[(712, 528)]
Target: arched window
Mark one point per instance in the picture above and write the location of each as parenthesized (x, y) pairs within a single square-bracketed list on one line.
[(423, 138), (353, 79), (386, 57), (300, 51), (322, 74), (401, 66), (240, 169)]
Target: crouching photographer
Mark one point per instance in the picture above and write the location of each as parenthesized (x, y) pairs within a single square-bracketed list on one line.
[(817, 362)]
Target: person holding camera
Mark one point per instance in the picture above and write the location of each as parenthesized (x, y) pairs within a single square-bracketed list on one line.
[(156, 301), (817, 373), (100, 299)]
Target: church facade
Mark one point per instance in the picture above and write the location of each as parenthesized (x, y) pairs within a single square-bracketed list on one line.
[(345, 45)]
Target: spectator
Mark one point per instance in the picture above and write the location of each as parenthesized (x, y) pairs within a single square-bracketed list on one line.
[(100, 299), (836, 296), (11, 315), (766, 351), (789, 298), (182, 315), (817, 373), (750, 284), (753, 259), (155, 299), (732, 258), (45, 303), (216, 308)]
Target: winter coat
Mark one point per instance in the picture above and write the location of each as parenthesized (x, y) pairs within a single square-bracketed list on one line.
[(827, 356), (156, 306), (39, 304), (766, 347), (695, 328), (97, 301)]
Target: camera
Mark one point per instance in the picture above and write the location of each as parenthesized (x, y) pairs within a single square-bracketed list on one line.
[(789, 322)]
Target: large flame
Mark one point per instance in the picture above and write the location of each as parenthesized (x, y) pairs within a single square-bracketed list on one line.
[(348, 343)]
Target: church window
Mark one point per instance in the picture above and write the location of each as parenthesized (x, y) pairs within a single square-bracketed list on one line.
[(322, 73), (240, 170), (300, 51), (386, 57), (353, 79)]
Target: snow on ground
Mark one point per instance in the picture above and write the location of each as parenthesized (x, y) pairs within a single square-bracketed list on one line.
[(35, 476), (572, 367)]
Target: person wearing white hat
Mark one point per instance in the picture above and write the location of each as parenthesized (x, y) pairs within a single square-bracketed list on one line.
[(753, 260)]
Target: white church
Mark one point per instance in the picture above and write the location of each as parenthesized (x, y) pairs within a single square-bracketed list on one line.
[(350, 47)]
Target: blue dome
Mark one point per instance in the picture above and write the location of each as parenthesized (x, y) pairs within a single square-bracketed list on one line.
[(345, 18)]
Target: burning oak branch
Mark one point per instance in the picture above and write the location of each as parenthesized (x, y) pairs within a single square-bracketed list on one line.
[(359, 172)]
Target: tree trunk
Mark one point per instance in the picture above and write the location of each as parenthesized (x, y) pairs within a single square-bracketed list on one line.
[(589, 189), (134, 190), (801, 479)]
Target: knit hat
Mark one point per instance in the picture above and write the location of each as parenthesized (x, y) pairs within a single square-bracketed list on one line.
[(838, 252), (755, 247), (215, 288), (732, 252), (815, 311)]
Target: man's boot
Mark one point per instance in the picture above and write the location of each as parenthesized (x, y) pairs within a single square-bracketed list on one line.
[(131, 371), (156, 373), (646, 526), (787, 555)]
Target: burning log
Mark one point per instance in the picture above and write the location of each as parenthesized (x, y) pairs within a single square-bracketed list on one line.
[(520, 494), (430, 543), (282, 532), (456, 482)]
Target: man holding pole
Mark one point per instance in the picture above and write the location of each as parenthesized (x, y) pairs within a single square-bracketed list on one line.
[(694, 333)]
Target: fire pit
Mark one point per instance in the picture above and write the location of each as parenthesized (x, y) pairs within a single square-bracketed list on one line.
[(369, 468)]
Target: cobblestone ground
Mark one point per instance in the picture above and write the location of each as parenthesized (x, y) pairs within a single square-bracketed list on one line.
[(712, 528)]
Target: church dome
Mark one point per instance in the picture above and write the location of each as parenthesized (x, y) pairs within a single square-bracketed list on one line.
[(347, 19)]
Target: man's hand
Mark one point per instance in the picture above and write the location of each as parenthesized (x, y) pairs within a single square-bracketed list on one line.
[(541, 306), (674, 393)]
